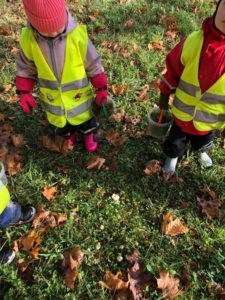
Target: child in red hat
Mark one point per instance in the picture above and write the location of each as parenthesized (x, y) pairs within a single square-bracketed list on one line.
[(57, 55), (196, 74)]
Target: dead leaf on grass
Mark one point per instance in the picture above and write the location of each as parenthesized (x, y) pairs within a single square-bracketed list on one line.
[(49, 193), (169, 285), (113, 138), (152, 167), (172, 227), (96, 162)]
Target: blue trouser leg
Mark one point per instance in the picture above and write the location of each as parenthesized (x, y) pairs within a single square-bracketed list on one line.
[(11, 214)]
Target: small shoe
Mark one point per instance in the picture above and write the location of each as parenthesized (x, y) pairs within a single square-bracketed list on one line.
[(7, 256), (27, 213), (206, 160), (90, 143), (170, 165)]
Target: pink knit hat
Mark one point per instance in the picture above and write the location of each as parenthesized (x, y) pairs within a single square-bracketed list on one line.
[(46, 15)]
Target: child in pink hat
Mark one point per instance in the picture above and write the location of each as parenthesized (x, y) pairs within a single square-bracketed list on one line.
[(57, 55)]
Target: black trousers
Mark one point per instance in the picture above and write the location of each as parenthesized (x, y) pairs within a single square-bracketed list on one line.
[(177, 141), (84, 128)]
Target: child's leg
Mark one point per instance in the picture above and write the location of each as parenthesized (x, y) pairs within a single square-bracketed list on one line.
[(202, 143), (11, 214), (174, 147), (87, 129)]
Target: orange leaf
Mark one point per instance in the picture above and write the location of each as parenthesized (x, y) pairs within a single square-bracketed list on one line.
[(14, 50), (31, 243), (8, 87), (169, 286), (95, 162), (49, 193), (129, 24), (118, 90), (173, 227), (18, 140), (113, 282)]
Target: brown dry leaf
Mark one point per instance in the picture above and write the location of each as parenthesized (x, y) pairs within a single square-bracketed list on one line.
[(152, 167), (8, 87), (169, 286), (18, 140), (49, 193), (158, 45), (95, 162), (31, 243), (114, 282), (210, 206), (126, 54), (171, 178), (154, 84), (13, 162), (172, 227), (143, 94), (3, 152), (171, 35), (134, 120), (14, 50), (2, 117), (23, 265), (15, 246), (138, 280), (118, 90), (59, 144), (118, 116), (144, 9), (129, 23), (13, 99), (113, 138), (124, 294), (5, 31), (69, 265)]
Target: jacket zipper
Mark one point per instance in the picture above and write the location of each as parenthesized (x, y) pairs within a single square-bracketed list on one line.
[(50, 44)]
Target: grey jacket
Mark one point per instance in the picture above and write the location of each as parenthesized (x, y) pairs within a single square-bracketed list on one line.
[(53, 50)]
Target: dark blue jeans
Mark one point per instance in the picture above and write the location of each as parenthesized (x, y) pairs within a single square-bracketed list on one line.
[(10, 215)]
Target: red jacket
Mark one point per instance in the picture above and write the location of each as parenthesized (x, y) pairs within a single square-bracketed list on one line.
[(211, 67)]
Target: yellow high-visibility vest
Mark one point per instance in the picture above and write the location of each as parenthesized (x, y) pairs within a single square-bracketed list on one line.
[(69, 99), (4, 193), (206, 110)]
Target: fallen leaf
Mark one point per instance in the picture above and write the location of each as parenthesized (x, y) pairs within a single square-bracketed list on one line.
[(210, 205), (152, 167), (143, 94), (113, 138), (49, 193), (31, 243), (70, 264), (8, 87), (114, 282), (59, 144), (95, 162), (129, 23), (169, 285), (172, 227), (138, 280), (14, 50), (118, 90), (18, 140)]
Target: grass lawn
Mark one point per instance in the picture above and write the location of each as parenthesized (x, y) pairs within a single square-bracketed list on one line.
[(117, 208)]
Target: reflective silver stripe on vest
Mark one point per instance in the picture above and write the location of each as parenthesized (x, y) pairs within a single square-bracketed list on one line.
[(168, 84), (2, 174), (80, 109), (188, 88), (188, 109), (213, 99), (49, 84), (70, 86), (55, 110), (1, 185), (75, 85), (206, 117)]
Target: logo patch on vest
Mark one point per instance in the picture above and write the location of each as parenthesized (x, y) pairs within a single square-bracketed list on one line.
[(77, 96), (50, 97)]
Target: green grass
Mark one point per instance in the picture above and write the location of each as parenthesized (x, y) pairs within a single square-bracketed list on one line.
[(136, 221)]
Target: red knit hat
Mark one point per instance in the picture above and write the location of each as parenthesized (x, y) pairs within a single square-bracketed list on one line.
[(46, 15)]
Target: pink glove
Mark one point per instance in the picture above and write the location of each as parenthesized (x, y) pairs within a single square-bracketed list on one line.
[(23, 88), (99, 82), (27, 102)]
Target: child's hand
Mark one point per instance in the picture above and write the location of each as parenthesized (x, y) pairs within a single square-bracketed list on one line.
[(99, 82), (101, 97), (27, 102)]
